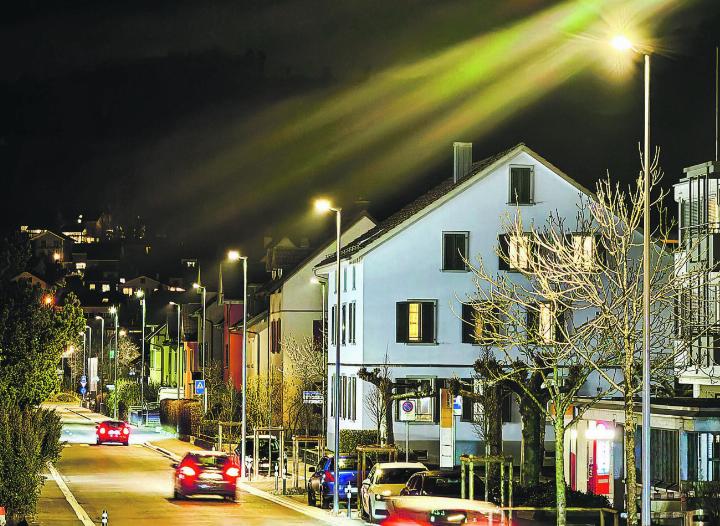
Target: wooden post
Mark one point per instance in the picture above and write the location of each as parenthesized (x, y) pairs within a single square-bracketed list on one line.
[(510, 492), (602, 517), (502, 483), (471, 482), (462, 478)]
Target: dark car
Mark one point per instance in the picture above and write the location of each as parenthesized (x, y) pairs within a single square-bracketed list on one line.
[(441, 511), (268, 450), (206, 473), (439, 484), (321, 484), (112, 431)]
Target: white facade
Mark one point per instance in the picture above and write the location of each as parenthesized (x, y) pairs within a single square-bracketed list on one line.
[(404, 262)]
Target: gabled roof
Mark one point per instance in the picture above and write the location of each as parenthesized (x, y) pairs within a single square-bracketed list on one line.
[(50, 233), (424, 204)]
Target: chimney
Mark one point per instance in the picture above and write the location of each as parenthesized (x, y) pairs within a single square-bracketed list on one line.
[(462, 159)]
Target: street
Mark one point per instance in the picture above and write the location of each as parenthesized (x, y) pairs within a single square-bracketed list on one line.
[(134, 485)]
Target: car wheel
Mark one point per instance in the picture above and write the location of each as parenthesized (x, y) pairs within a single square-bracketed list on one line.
[(126, 444), (177, 495), (97, 441), (311, 498)]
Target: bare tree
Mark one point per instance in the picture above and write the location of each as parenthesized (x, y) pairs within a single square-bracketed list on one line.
[(375, 406), (304, 370)]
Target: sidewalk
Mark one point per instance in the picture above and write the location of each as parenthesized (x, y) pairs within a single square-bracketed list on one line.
[(53, 508), (263, 487)]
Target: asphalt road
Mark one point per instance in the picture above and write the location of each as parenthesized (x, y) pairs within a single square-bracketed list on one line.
[(134, 484)]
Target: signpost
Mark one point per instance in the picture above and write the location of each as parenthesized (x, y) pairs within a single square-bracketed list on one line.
[(407, 414), (313, 397), (447, 453), (199, 387), (83, 383)]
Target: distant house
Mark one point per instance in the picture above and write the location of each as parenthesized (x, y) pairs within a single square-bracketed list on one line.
[(51, 245), (32, 279)]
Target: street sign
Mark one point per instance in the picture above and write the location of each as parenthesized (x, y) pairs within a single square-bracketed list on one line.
[(83, 380), (83, 390), (110, 387), (313, 397), (457, 405), (199, 387), (407, 411)]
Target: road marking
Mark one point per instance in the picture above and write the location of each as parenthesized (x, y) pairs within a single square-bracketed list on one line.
[(79, 511)]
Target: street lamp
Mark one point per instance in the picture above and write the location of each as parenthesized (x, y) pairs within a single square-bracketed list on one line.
[(178, 368), (324, 206), (203, 352), (141, 295), (622, 43), (114, 312), (234, 255), (89, 354), (102, 349)]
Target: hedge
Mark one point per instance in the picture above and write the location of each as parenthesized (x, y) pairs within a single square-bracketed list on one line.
[(351, 438), (189, 412)]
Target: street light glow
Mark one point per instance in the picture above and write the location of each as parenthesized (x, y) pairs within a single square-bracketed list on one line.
[(139, 293), (621, 43), (233, 255), (322, 205), (123, 332), (113, 309)]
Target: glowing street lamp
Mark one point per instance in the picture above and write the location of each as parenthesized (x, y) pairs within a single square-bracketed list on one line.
[(622, 43), (233, 255), (324, 206), (140, 294), (102, 348), (114, 312), (203, 352)]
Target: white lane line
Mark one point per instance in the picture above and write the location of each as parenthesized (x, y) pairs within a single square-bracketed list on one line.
[(79, 511)]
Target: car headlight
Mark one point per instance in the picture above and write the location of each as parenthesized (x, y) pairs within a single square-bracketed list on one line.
[(382, 495)]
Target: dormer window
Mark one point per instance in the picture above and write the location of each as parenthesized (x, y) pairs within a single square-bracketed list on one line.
[(521, 185)]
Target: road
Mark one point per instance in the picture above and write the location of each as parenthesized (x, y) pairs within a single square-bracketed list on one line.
[(134, 484)]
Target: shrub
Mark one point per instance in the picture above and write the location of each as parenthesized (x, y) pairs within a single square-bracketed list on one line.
[(187, 412), (29, 438), (543, 495), (351, 438), (65, 397)]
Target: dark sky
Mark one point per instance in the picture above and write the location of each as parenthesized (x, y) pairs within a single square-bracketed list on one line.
[(215, 120)]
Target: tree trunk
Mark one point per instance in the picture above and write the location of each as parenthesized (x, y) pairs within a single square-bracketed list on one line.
[(532, 446), (389, 432), (560, 495), (493, 410), (631, 474)]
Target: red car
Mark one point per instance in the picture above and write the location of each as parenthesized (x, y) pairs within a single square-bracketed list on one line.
[(112, 431), (207, 473)]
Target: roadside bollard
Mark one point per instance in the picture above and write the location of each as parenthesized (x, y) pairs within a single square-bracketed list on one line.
[(248, 467), (348, 493), (276, 476), (104, 518)]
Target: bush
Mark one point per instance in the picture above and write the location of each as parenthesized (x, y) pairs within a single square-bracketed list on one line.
[(543, 495), (29, 438), (188, 412), (351, 438), (64, 397)]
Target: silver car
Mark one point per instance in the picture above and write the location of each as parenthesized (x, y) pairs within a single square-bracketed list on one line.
[(385, 479)]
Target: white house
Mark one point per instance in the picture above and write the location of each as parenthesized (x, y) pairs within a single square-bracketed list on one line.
[(401, 284)]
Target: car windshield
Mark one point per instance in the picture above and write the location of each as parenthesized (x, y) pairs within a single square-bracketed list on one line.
[(442, 486), (395, 475), (262, 446), (210, 461), (113, 423), (345, 464)]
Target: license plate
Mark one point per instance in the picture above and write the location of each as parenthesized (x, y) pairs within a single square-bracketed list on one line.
[(210, 476), (114, 433)]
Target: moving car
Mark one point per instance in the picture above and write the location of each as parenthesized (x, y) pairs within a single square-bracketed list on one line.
[(439, 484), (321, 484), (206, 473), (384, 480), (112, 431), (440, 511)]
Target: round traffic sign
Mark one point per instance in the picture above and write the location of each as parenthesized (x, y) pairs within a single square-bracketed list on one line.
[(408, 406)]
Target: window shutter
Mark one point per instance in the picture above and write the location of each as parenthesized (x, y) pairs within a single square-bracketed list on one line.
[(532, 323), (449, 251), (279, 336), (427, 313), (504, 244), (401, 321), (467, 405), (439, 383), (600, 252), (467, 323), (560, 326), (507, 401)]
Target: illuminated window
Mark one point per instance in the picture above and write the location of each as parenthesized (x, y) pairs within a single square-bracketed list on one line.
[(127, 291), (584, 251), (122, 280), (106, 287), (480, 324), (424, 407), (515, 252), (81, 265), (546, 324), (91, 286), (415, 322)]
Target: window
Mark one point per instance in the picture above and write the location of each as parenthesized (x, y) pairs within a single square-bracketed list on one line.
[(343, 326), (127, 291), (317, 331), (515, 252), (333, 321), (275, 336), (480, 323), (351, 322), (664, 461), (415, 321), (353, 277), (348, 397), (91, 286), (425, 408), (345, 279), (455, 250), (106, 287), (546, 324), (521, 185), (585, 251), (472, 411), (81, 265)]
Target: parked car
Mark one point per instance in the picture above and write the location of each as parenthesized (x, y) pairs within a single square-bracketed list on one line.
[(112, 431), (321, 484), (269, 450), (206, 473), (384, 480), (440, 511), (439, 484)]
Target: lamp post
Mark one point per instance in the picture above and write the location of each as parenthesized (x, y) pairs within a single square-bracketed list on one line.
[(102, 350), (141, 295), (203, 352), (114, 312), (89, 352), (178, 365), (323, 206), (623, 44), (317, 281), (234, 255)]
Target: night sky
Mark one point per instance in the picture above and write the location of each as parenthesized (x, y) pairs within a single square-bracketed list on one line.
[(216, 120)]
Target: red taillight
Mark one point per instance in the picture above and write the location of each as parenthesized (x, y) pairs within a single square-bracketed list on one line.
[(329, 476), (232, 472), (187, 471), (126, 431), (102, 430)]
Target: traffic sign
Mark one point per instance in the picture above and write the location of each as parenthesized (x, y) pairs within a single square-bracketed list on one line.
[(83, 390), (313, 397), (407, 411), (83, 380), (199, 387), (457, 405)]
